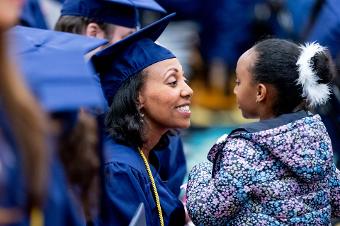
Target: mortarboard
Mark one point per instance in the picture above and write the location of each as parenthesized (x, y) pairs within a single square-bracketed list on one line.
[(55, 69), (141, 4), (124, 59), (61, 40), (119, 12)]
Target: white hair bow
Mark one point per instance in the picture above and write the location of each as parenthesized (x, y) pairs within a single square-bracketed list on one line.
[(315, 93)]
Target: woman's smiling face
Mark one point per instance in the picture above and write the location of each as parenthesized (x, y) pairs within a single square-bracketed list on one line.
[(166, 97)]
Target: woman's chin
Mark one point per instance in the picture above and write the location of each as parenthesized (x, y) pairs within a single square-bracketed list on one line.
[(185, 125)]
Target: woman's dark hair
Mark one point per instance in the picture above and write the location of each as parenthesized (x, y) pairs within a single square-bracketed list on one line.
[(123, 120), (276, 65)]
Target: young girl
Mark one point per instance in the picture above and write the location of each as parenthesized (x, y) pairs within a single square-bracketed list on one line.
[(278, 171)]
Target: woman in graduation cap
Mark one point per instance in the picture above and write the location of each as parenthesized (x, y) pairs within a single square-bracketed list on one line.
[(22, 133), (115, 20), (148, 96)]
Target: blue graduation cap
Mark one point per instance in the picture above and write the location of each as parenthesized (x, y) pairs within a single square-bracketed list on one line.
[(62, 40), (119, 12), (54, 67), (129, 56), (141, 4)]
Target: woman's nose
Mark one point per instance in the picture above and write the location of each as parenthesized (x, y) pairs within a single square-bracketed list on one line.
[(186, 91)]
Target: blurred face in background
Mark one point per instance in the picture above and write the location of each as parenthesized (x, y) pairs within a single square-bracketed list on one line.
[(9, 13), (117, 33), (112, 33)]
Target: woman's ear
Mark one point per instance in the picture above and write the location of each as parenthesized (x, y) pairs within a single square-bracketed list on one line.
[(262, 92), (141, 100)]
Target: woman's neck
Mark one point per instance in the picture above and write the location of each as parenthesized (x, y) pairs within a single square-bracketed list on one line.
[(152, 138)]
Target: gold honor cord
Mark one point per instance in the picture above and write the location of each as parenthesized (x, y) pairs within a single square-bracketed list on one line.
[(36, 217), (154, 188)]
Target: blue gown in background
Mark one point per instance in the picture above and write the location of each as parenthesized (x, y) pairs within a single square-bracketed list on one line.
[(326, 29), (32, 15), (127, 184), (10, 178), (59, 208)]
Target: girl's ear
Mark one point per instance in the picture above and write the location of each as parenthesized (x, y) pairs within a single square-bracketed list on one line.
[(262, 92)]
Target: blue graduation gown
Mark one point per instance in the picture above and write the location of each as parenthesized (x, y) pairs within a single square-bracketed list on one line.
[(60, 208), (127, 184), (173, 167)]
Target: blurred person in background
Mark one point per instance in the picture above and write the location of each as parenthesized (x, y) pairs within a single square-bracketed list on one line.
[(63, 86), (325, 29), (23, 133), (32, 15), (112, 20), (41, 14), (226, 28)]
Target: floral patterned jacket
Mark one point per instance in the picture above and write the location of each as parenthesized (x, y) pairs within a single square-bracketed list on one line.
[(273, 172)]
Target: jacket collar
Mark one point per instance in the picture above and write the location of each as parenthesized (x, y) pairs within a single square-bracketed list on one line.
[(272, 123)]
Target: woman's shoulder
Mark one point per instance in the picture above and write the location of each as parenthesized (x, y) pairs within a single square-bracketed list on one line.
[(121, 156)]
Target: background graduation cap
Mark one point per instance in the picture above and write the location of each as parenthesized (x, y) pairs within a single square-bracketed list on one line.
[(61, 40), (119, 12), (140, 4), (124, 59), (54, 67)]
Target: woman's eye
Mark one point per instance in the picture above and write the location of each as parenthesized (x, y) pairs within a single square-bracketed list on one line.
[(173, 83), (237, 82)]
